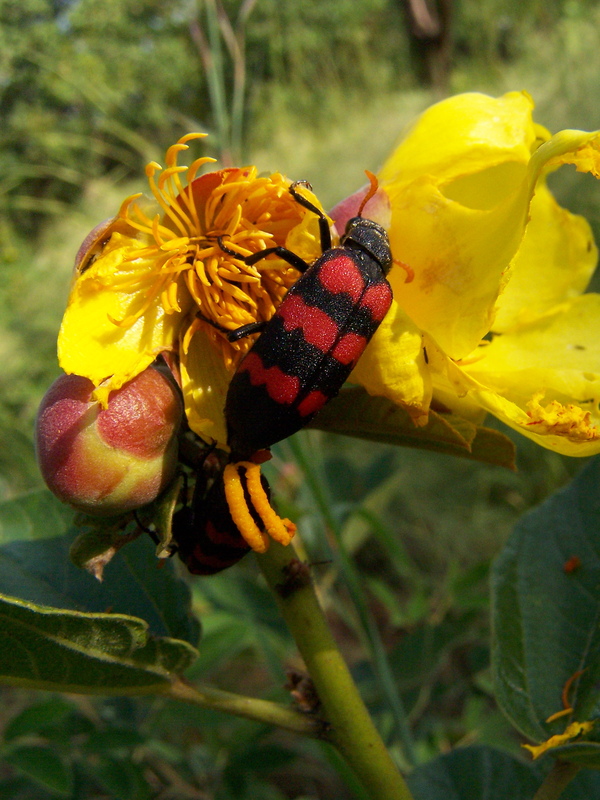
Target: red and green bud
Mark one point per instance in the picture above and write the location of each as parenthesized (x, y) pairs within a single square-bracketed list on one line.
[(107, 461)]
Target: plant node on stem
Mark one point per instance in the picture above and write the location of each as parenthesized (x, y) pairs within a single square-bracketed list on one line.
[(351, 730)]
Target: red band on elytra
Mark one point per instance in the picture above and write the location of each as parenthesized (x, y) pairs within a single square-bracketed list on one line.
[(377, 299), (349, 348), (317, 326), (312, 403), (340, 274), (280, 387)]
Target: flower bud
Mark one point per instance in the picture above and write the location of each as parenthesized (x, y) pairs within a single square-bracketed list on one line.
[(106, 461)]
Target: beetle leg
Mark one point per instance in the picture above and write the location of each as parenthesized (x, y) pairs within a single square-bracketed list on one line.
[(245, 330), (235, 334), (228, 250), (324, 231), (286, 255)]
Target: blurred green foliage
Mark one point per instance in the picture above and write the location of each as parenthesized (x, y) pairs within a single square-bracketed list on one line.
[(89, 91)]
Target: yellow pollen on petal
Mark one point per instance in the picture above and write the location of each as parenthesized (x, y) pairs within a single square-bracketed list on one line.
[(181, 247), (569, 421)]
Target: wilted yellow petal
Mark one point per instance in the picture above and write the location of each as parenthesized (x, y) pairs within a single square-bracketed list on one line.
[(543, 379), (579, 148), (574, 730), (90, 342), (555, 262), (394, 366), (204, 381), (460, 186)]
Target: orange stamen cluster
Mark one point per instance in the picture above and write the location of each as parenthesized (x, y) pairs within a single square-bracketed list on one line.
[(247, 213)]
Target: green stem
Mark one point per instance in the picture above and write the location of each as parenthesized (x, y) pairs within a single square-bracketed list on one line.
[(248, 707), (352, 730), (557, 780), (317, 485)]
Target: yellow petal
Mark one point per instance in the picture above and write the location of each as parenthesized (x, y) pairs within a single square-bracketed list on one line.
[(459, 227), (394, 365), (574, 730), (543, 379), (555, 262), (463, 135), (90, 342), (579, 148), (459, 255), (450, 385), (459, 190), (204, 383)]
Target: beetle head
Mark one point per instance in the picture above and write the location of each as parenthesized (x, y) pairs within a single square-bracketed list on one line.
[(371, 238)]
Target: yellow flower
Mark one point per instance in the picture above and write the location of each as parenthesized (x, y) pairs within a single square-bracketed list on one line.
[(495, 319), (147, 281)]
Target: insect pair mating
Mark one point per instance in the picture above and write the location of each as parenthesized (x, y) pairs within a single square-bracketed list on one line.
[(300, 361)]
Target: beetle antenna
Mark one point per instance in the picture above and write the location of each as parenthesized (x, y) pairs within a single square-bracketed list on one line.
[(372, 189), (410, 273)]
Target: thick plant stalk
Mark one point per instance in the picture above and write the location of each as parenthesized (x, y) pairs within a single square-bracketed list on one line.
[(317, 483), (352, 731)]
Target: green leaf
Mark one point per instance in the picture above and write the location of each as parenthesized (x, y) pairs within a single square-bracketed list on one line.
[(38, 718), (260, 758), (483, 773), (43, 765), (224, 636), (36, 532), (96, 547), (546, 612), (34, 516), (420, 652), (45, 648), (474, 773), (354, 412), (122, 778), (116, 741)]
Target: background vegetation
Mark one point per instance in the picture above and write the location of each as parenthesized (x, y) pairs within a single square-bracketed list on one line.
[(90, 90)]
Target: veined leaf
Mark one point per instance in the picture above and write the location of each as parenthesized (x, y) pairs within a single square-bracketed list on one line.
[(546, 614), (36, 532), (47, 648), (482, 773)]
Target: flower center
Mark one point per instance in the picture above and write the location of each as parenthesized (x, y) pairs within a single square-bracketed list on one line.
[(197, 246)]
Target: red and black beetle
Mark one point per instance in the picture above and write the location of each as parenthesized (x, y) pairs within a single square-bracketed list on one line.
[(307, 350), (300, 361), (208, 540)]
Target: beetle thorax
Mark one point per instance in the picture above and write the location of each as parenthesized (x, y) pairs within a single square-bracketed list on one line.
[(371, 238)]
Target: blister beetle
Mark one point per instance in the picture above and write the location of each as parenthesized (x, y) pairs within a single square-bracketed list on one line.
[(307, 350)]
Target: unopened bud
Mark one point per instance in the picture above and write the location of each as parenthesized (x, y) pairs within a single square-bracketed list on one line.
[(106, 461)]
